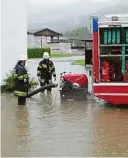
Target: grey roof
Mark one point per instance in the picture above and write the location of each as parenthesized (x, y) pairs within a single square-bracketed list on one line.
[(39, 32)]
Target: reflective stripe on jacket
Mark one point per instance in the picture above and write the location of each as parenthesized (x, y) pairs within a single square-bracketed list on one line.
[(21, 81), (46, 69)]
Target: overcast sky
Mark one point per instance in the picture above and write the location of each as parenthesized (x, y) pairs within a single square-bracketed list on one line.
[(62, 14)]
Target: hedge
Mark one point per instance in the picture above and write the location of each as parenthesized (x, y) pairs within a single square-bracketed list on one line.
[(37, 52)]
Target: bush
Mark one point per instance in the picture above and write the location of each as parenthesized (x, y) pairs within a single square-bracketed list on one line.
[(33, 83), (9, 82), (37, 52)]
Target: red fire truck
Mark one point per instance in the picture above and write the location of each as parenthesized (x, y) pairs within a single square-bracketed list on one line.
[(110, 58)]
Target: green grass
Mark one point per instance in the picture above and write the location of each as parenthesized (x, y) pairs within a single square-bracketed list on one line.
[(78, 62), (54, 55)]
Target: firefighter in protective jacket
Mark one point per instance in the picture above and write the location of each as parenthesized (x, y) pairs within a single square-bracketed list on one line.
[(21, 80), (45, 71)]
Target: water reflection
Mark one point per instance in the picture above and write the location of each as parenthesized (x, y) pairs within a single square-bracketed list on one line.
[(111, 127), (22, 128), (14, 127), (39, 128)]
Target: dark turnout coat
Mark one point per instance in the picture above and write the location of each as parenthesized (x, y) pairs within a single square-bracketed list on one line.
[(46, 70), (21, 80)]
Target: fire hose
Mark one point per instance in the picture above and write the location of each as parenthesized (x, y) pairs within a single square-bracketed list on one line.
[(41, 88)]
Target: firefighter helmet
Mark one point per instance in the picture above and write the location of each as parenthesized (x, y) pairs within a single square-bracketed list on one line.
[(22, 58), (46, 55)]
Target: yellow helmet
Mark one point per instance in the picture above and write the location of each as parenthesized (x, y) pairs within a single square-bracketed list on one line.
[(46, 55)]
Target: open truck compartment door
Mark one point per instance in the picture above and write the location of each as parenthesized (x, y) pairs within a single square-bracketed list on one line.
[(88, 52)]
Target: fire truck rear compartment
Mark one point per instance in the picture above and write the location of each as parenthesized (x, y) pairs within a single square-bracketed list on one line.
[(113, 52)]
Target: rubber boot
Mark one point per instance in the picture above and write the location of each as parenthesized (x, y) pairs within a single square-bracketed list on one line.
[(21, 100)]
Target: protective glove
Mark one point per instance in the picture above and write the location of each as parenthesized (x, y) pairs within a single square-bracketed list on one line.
[(25, 80)]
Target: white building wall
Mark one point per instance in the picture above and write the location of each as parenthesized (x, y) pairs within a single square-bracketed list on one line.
[(0, 42), (13, 33)]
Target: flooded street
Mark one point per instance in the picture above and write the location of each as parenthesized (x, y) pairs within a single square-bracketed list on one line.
[(67, 128)]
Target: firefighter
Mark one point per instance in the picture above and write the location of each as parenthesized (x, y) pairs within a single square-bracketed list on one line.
[(21, 80), (45, 71)]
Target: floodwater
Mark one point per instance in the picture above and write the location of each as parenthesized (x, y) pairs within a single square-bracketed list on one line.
[(66, 128)]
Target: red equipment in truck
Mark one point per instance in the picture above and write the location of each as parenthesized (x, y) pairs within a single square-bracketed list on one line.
[(105, 74), (126, 72)]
